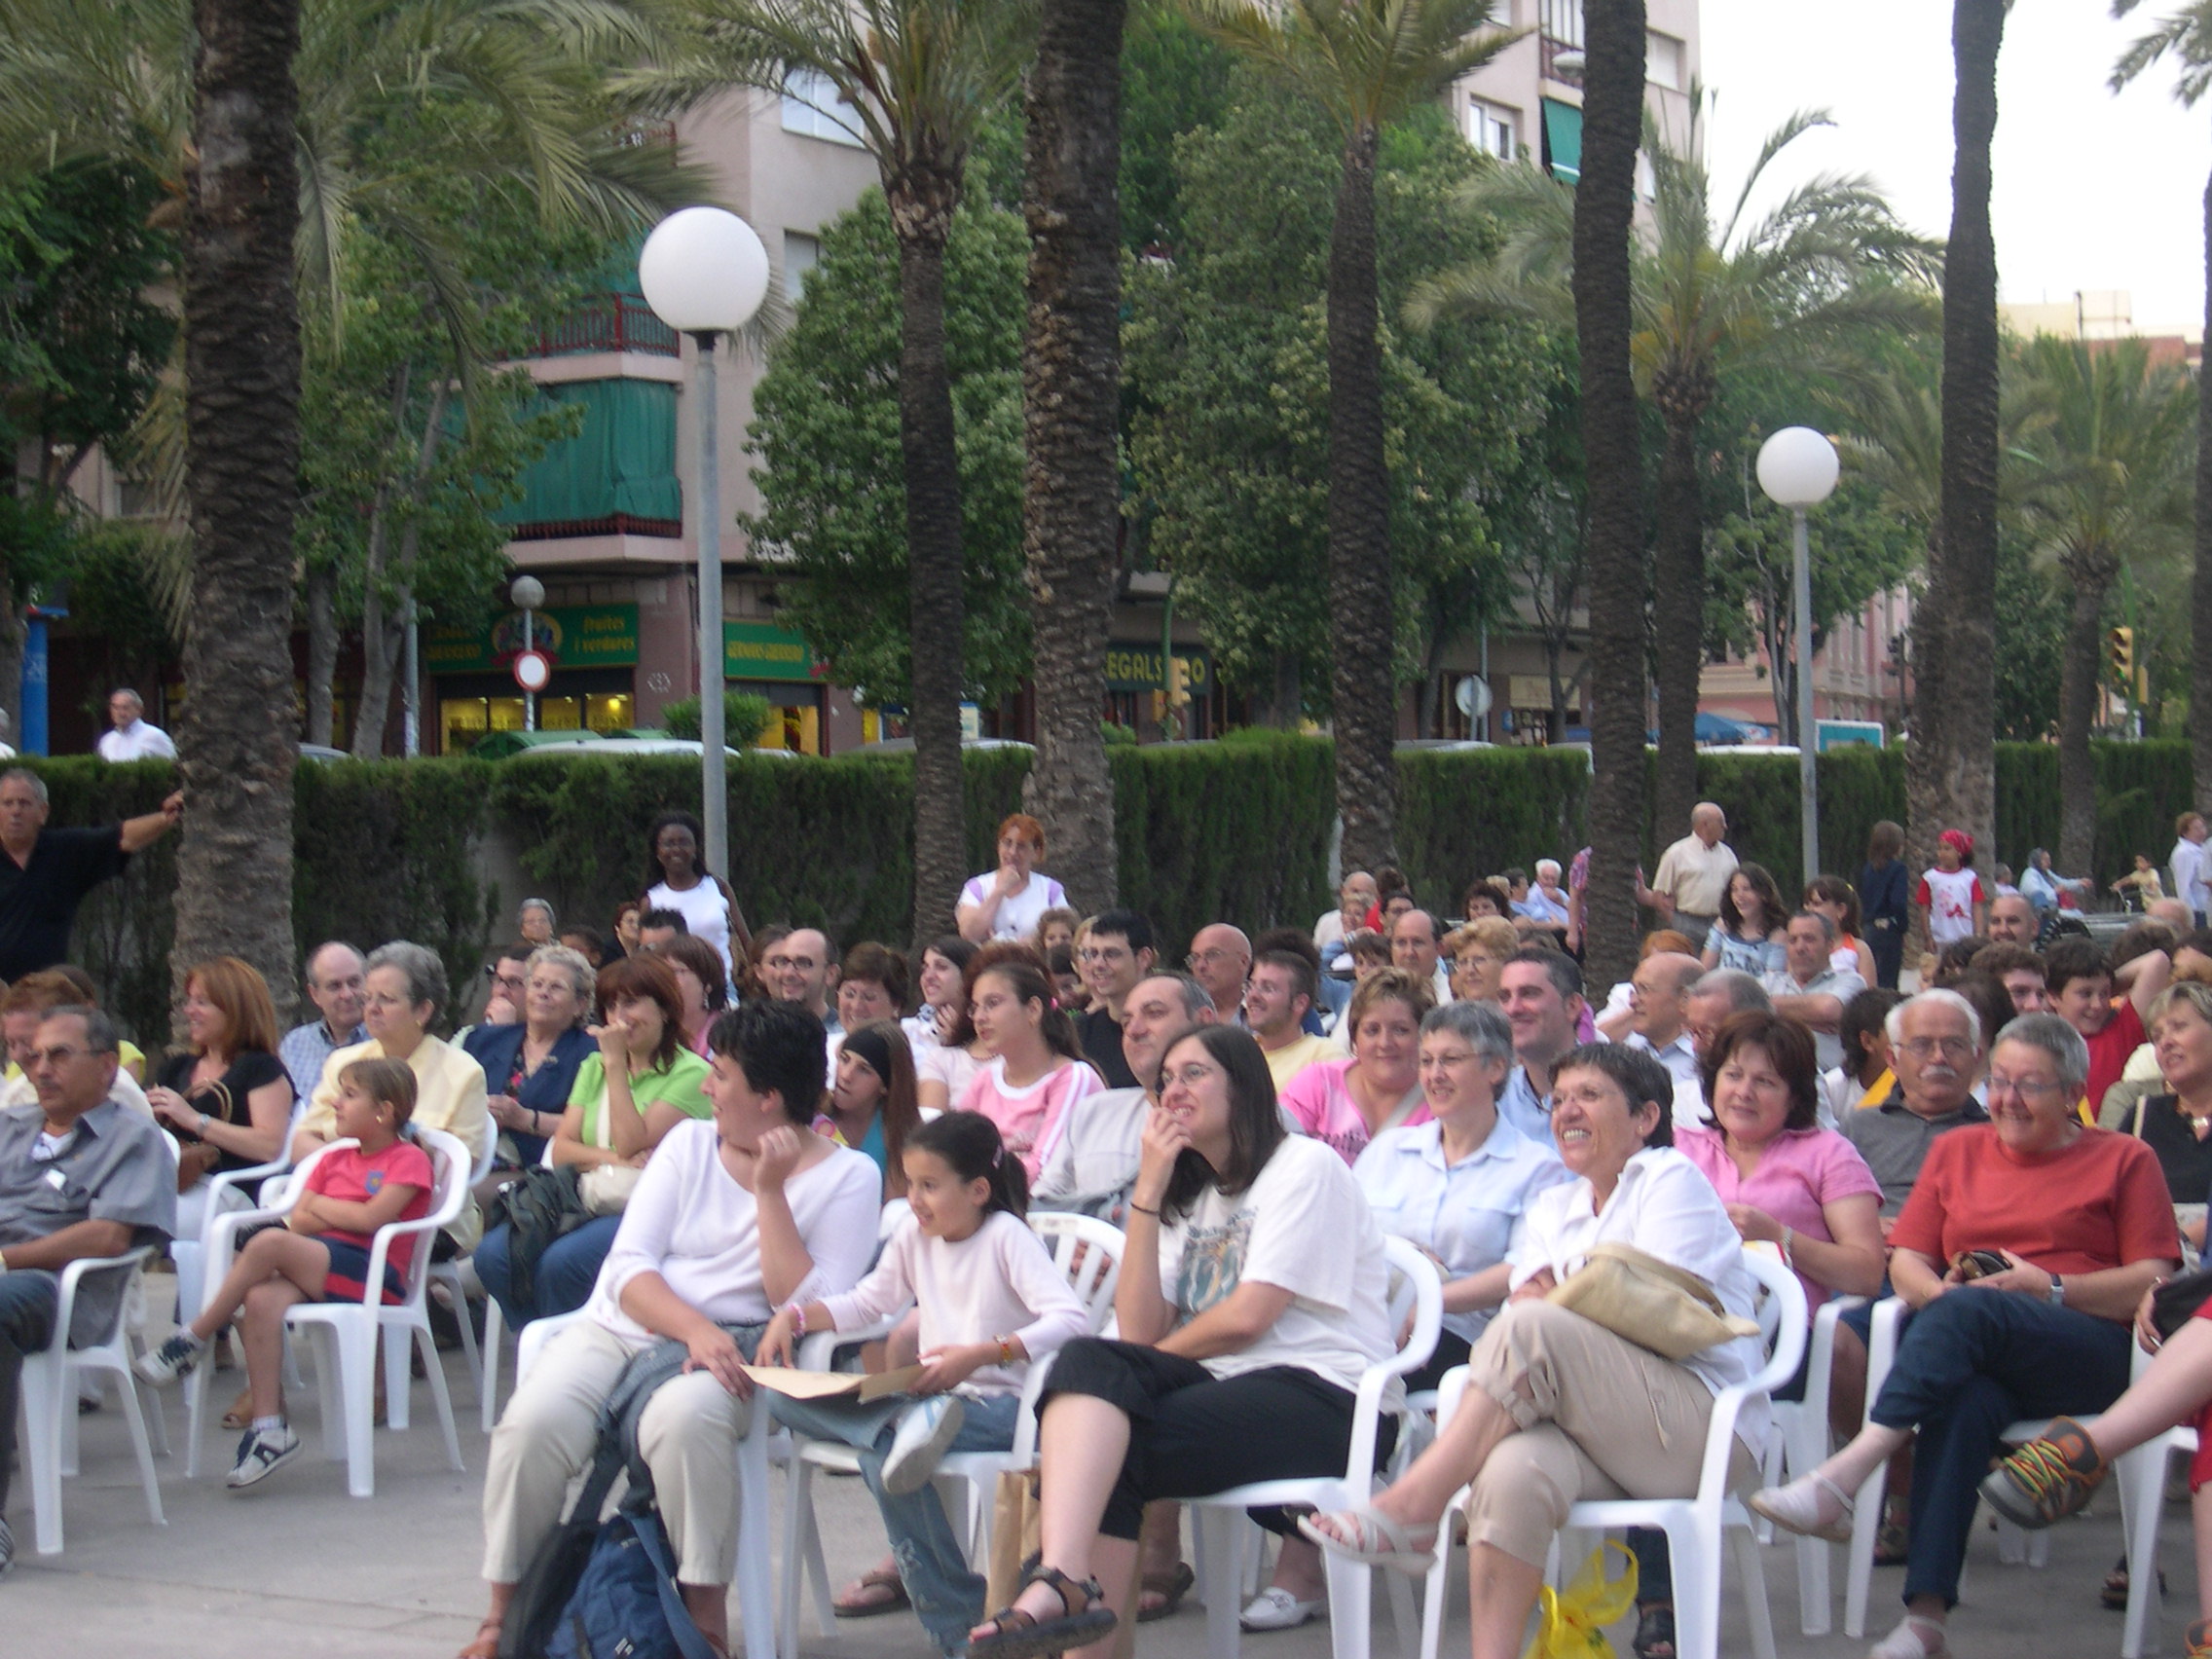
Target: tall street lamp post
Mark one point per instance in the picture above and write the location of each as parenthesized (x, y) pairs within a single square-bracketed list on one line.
[(704, 273), (1797, 469), (528, 594)]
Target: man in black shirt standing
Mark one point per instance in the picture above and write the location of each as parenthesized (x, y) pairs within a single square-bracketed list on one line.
[(47, 872), (1117, 955)]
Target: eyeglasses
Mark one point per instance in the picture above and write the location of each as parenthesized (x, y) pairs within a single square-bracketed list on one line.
[(1190, 1076), (1103, 953), (1928, 1048), (804, 964), (2026, 1087)]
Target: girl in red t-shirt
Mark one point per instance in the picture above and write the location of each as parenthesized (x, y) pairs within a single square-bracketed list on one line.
[(319, 1254)]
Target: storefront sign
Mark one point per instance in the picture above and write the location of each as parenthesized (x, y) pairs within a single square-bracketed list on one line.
[(761, 650), (1134, 668), (573, 635)]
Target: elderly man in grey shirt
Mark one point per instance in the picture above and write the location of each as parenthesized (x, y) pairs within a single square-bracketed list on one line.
[(80, 1177)]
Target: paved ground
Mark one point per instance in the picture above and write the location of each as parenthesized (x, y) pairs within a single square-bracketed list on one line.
[(299, 1568)]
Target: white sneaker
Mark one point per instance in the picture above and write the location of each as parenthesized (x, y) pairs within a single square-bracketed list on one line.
[(925, 1430), (261, 1453), (1276, 1609)]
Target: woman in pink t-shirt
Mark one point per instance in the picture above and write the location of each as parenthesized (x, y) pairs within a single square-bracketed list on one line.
[(1036, 1072), (1348, 1103)]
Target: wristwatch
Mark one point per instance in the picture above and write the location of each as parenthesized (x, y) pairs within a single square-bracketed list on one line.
[(2057, 1291)]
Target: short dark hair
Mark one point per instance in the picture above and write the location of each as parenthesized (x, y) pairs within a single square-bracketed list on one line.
[(1956, 960), (1991, 1002), (1298, 942), (1303, 981), (1565, 973), (1788, 1049), (646, 977), (1635, 1074), (706, 965), (1126, 925), (520, 950), (879, 964), (971, 1147), (100, 1036), (663, 919), (1863, 1015), (1999, 960), (1255, 1125), (2073, 958), (2140, 940), (782, 1050)]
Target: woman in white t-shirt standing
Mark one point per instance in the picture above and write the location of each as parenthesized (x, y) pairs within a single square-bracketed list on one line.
[(1006, 903), (677, 881), (1253, 1296), (1037, 1073)]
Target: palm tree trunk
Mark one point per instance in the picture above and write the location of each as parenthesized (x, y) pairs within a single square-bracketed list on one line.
[(2200, 586), (1362, 597), (1678, 620), (1951, 763), (1605, 203), (1071, 396), (234, 892), (921, 213), (2077, 682)]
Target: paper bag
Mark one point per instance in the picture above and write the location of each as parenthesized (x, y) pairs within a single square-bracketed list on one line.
[(832, 1385)]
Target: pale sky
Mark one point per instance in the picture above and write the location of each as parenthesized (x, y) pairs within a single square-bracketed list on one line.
[(2092, 191)]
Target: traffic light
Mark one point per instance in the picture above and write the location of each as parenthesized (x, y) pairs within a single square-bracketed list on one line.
[(2120, 649), (1178, 682)]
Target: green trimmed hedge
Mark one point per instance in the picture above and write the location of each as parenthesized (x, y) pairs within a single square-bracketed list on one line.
[(1238, 828)]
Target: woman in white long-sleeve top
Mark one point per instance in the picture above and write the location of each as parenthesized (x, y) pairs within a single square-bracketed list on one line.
[(731, 1219)]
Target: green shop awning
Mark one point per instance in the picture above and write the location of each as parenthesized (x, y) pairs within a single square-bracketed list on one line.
[(1563, 140)]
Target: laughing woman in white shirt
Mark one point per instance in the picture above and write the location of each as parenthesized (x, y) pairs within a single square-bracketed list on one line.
[(731, 1219), (1560, 1408)]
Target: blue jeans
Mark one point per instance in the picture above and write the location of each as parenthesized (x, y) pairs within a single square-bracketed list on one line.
[(566, 1273), (28, 1301), (1968, 1364), (948, 1595)]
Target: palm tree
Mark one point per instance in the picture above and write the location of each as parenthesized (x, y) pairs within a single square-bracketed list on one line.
[(918, 80), (2187, 33), (1951, 763), (1366, 62), (1802, 291), (1071, 393), (2114, 487), (234, 892), (1605, 313)]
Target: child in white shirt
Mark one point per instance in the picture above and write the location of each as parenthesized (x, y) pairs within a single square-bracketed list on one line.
[(991, 1302)]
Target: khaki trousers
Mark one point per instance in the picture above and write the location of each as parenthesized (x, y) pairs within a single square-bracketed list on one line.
[(1600, 1417), (688, 1435)]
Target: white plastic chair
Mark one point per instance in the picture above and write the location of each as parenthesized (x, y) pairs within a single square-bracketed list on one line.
[(49, 1398), (190, 1255), (1694, 1525), (448, 1274), (1415, 1289), (346, 1333), (754, 1578), (1089, 1252), (1804, 1447), (2142, 1477)]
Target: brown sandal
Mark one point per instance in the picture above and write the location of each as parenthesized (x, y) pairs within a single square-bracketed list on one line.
[(857, 1604), (1017, 1633), (485, 1644), (1170, 1587)]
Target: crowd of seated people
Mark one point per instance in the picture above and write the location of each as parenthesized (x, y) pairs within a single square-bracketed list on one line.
[(2017, 1151)]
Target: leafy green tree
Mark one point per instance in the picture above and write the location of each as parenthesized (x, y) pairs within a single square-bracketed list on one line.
[(826, 428), (2186, 33), (2030, 643), (2114, 486), (1803, 289), (1229, 398), (1174, 80), (1367, 64), (920, 81)]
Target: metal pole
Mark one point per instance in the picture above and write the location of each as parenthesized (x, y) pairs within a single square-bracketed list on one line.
[(529, 697), (411, 705), (1481, 725), (1808, 776), (1170, 722), (713, 790)]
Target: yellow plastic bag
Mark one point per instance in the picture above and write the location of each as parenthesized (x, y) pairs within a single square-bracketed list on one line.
[(1571, 1624)]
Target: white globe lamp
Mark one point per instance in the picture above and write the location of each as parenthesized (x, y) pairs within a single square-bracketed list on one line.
[(1798, 470)]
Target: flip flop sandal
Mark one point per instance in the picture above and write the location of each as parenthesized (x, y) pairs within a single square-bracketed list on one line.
[(1655, 1633), (1373, 1539), (851, 1605), (1017, 1634), (1172, 1587)]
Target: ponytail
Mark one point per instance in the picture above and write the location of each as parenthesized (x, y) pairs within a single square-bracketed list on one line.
[(971, 1144)]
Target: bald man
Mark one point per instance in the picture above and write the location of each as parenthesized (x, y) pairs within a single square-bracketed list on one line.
[(1220, 959), (1693, 875), (1659, 1012), (2012, 920)]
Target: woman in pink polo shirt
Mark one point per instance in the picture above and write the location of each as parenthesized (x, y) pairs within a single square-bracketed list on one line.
[(1348, 1103)]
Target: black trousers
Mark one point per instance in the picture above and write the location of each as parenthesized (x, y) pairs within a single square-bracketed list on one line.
[(1192, 1434)]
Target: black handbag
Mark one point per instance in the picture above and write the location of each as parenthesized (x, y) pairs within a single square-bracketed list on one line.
[(2176, 1301)]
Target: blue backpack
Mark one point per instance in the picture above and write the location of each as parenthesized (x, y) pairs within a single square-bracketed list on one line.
[(607, 1591)]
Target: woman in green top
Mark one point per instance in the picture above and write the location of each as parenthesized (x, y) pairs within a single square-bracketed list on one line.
[(641, 1083)]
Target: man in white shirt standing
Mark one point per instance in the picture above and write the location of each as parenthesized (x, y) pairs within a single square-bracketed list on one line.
[(1693, 875), (2186, 863), (134, 737)]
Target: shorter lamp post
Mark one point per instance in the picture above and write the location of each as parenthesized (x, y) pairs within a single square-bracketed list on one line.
[(1797, 469), (527, 593), (704, 273)]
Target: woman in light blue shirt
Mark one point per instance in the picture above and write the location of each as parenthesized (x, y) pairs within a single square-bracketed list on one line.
[(1457, 1186)]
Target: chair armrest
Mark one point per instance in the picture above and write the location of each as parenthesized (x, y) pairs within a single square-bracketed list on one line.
[(1366, 1410), (817, 1348), (1025, 1447), (74, 1273), (223, 1180), (1882, 1346)]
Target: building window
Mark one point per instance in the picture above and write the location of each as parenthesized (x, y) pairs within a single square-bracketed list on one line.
[(1491, 129), (1663, 61), (801, 254), (1563, 140), (1647, 180), (813, 109), (1562, 20)]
